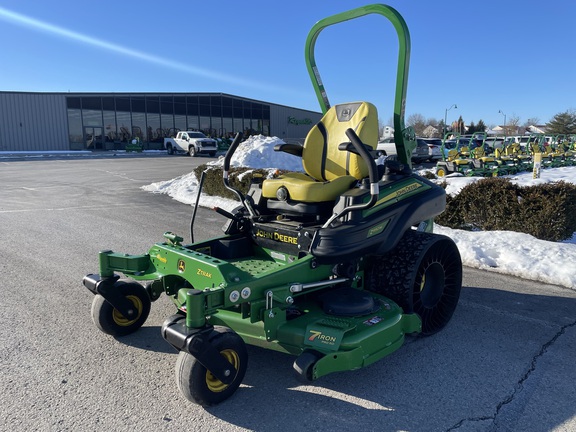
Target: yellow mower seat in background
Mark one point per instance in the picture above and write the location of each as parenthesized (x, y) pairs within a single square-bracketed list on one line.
[(328, 171), (454, 156), (480, 154)]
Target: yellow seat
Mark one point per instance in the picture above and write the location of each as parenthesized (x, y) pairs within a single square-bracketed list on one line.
[(328, 171), (480, 153), (456, 158), (452, 155), (464, 151)]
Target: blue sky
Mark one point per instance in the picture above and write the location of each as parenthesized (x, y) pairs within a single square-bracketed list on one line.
[(484, 56)]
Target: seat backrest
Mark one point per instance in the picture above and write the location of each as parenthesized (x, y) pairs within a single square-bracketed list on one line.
[(321, 157), (452, 155), (479, 152)]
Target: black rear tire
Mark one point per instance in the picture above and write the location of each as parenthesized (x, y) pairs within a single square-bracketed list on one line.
[(170, 149), (423, 275)]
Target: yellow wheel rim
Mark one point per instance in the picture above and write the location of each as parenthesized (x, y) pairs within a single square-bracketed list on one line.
[(120, 320), (441, 172), (213, 383)]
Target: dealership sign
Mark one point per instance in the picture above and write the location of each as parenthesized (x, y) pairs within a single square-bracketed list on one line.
[(295, 121)]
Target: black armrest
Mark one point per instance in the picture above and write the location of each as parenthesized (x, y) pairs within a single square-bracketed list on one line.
[(348, 146), (293, 149)]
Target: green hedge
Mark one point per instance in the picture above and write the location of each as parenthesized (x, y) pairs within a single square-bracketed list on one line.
[(239, 178), (547, 211)]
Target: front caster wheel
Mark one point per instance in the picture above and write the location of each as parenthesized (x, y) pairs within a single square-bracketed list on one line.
[(198, 384), (112, 322), (304, 366)]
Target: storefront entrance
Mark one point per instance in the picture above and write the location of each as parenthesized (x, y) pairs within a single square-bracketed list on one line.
[(93, 138)]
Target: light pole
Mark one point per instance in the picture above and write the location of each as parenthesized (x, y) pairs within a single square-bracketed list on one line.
[(445, 116), (500, 112)]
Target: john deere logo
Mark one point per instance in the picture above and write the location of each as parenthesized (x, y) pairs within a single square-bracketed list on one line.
[(181, 266)]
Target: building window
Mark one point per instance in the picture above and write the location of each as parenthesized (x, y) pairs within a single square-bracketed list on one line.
[(75, 133), (109, 121), (167, 115), (138, 118), (124, 119)]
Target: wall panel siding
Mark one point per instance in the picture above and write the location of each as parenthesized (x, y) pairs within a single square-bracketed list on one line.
[(33, 122), (291, 124)]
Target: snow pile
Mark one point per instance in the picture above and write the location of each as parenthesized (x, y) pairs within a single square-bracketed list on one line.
[(258, 152)]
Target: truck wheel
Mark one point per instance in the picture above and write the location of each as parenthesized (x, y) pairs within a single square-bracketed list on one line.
[(423, 275), (169, 149), (112, 322), (198, 384), (192, 151)]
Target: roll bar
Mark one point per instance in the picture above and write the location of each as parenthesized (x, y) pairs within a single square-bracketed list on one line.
[(404, 138)]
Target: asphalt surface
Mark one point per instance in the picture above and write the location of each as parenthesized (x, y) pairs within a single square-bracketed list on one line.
[(504, 363)]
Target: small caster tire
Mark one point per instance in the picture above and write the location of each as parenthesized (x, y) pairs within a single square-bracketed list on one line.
[(110, 321), (198, 384), (304, 366)]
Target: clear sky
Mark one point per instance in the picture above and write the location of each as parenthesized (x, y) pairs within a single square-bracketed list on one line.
[(484, 56)]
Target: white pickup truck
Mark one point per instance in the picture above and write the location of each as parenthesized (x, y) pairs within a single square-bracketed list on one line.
[(191, 142)]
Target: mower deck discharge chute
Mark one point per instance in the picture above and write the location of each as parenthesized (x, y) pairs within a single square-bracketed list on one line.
[(335, 265)]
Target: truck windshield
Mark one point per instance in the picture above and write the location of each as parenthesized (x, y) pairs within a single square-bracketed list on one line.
[(196, 135)]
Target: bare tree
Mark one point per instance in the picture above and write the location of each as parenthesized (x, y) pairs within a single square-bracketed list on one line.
[(418, 122), (512, 125), (532, 121)]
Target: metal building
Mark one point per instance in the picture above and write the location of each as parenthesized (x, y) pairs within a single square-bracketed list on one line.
[(108, 121)]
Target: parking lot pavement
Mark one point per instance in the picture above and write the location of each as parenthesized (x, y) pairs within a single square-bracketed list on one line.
[(6, 156)]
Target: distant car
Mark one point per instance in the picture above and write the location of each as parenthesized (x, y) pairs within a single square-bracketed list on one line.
[(434, 147), (427, 149), (386, 147)]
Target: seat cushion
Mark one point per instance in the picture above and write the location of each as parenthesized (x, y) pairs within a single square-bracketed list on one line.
[(302, 187)]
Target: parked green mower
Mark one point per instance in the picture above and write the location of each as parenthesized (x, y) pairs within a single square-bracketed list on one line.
[(482, 164), (334, 266), (453, 161)]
